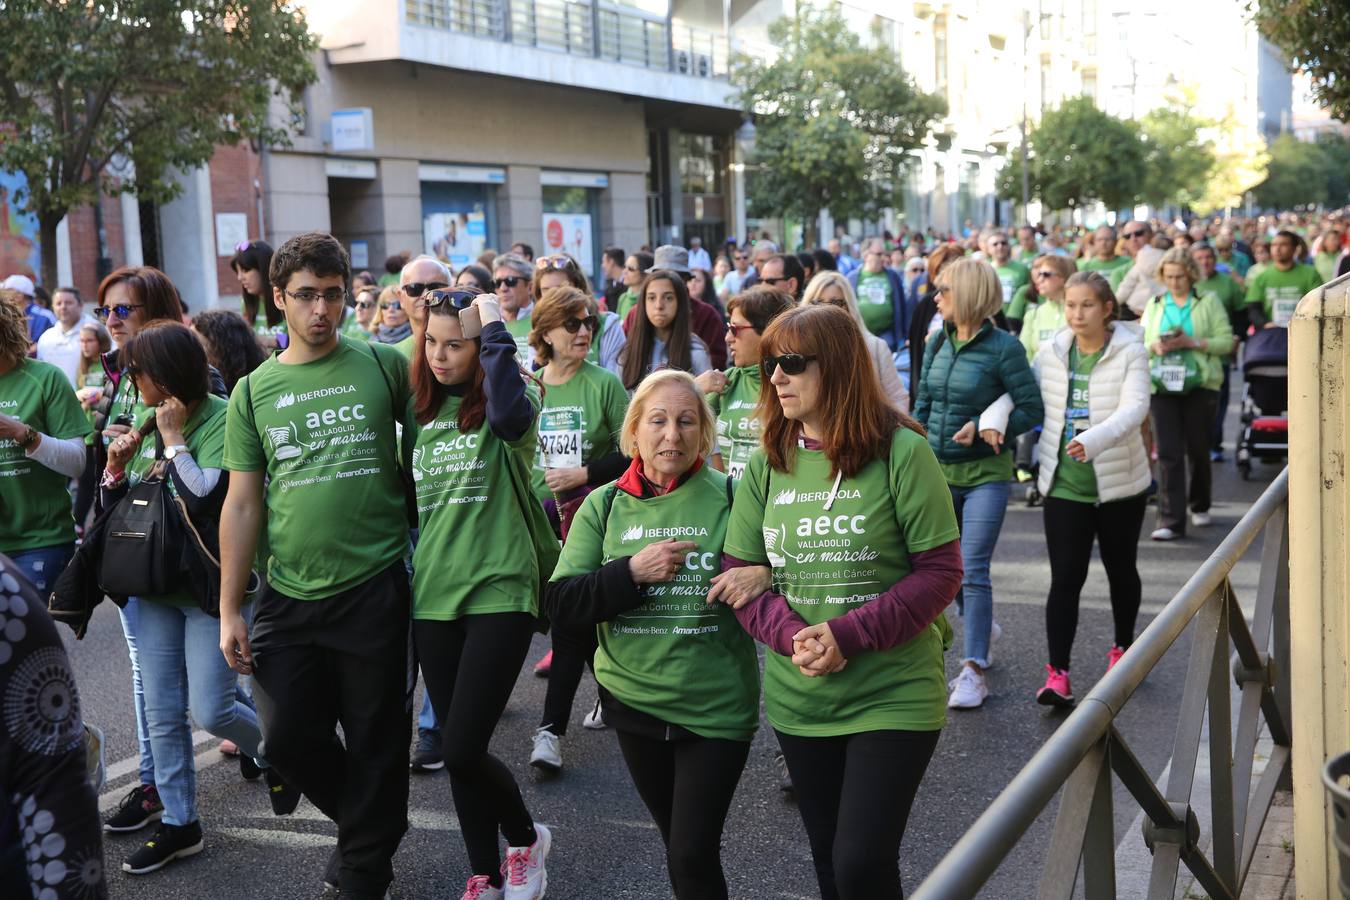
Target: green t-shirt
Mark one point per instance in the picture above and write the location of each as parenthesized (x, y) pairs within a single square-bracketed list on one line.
[(1021, 302), (627, 300), (979, 471), (738, 427), (405, 346), (1227, 291), (1108, 267), (34, 501), (1279, 292), (331, 454), (519, 328), (675, 657), (580, 422), (204, 435), (1325, 264), (94, 378), (1040, 325), (465, 512), (352, 328), (831, 557), (1012, 276), (875, 301), (1076, 480), (593, 354)]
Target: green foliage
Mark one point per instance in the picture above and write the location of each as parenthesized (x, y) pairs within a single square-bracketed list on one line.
[(1079, 154), (1178, 162), (834, 120), (159, 82), (1316, 35), (1306, 173)]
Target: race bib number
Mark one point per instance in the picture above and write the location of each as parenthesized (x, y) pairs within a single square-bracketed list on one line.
[(1076, 422), (736, 469), (1172, 372), (874, 292), (560, 439), (1282, 311)]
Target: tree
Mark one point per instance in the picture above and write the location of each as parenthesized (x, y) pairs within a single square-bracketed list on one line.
[(834, 120), (160, 83), (1298, 175), (1241, 161), (1178, 159), (1079, 154), (1316, 35)]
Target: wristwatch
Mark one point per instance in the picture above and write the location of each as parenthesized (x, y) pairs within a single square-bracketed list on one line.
[(30, 436), (171, 452)]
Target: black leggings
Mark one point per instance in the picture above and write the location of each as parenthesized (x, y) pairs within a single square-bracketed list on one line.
[(1070, 528), (486, 652), (86, 487), (573, 650), (687, 786), (854, 793)]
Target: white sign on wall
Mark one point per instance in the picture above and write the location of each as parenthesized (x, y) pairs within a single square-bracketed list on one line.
[(570, 233), (231, 231), (360, 254), (353, 129)]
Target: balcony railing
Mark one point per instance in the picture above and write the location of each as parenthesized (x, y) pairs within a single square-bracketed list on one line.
[(591, 28)]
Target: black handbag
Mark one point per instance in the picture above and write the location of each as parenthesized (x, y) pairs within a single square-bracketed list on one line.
[(145, 538)]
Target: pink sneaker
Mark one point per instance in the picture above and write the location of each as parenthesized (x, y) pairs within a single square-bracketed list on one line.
[(526, 877), (1056, 691), (479, 888), (1113, 656), (541, 668)]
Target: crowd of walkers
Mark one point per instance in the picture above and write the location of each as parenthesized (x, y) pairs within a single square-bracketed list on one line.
[(804, 456)]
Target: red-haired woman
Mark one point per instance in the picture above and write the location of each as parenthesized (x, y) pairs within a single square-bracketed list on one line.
[(846, 504), (472, 624)]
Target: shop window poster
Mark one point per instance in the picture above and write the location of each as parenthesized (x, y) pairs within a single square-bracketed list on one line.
[(19, 249), (456, 238), (570, 233)]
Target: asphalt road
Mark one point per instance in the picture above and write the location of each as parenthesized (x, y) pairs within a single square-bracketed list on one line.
[(604, 842)]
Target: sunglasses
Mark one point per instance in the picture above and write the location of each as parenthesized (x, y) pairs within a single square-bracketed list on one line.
[(737, 329), (364, 304), (457, 298), (573, 325), (1045, 273), (792, 364), (1132, 234), (389, 304), (557, 261), (418, 288), (741, 257), (510, 281), (242, 246), (123, 310), (771, 282)]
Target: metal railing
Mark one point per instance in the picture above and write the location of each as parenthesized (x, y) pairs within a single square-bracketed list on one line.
[(1086, 749), (592, 28)]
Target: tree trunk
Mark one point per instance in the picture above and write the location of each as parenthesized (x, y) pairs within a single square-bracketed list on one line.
[(47, 223)]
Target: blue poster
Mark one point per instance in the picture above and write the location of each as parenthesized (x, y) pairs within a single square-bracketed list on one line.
[(19, 250)]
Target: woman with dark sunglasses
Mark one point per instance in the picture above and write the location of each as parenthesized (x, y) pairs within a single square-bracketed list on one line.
[(1040, 323), (392, 324), (478, 414), (578, 450), (846, 504), (607, 338), (635, 268)]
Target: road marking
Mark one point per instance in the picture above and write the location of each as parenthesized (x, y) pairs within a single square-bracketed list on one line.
[(280, 837)]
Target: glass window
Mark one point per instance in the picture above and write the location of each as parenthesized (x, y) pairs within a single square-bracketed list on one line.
[(702, 162)]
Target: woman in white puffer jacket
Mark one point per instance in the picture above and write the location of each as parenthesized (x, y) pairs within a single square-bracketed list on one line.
[(1094, 469)]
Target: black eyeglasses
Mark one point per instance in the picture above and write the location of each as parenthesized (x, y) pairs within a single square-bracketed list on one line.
[(792, 363), (1045, 273), (1133, 234), (741, 257), (457, 298), (771, 282), (308, 295), (510, 281), (573, 325), (123, 310), (364, 304), (418, 288)]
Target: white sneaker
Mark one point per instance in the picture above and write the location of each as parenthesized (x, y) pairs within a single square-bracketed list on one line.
[(995, 632), (595, 719), (968, 689), (1200, 520), (547, 753), (479, 888), (1163, 534), (526, 878)]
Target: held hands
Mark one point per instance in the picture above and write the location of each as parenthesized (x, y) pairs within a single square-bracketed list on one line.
[(560, 481), (737, 587), (966, 436), (815, 652), (993, 438), (1077, 451), (658, 562), (234, 644)]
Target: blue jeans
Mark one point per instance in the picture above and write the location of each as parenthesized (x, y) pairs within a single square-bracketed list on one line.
[(979, 512), (182, 668), (131, 616), (43, 564), (426, 719)]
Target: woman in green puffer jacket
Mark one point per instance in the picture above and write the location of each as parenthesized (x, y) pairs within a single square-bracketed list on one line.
[(967, 365)]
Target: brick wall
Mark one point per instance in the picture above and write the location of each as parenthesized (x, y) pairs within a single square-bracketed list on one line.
[(84, 244), (233, 170)]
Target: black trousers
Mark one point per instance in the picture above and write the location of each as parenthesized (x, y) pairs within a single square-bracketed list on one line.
[(1070, 529), (470, 666), (687, 786), (342, 659), (573, 650), (854, 793), (1181, 434), (86, 487), (1221, 408)]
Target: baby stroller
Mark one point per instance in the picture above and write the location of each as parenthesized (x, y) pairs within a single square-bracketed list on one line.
[(1265, 398)]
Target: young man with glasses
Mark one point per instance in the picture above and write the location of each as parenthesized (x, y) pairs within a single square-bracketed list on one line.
[(310, 442), (1011, 274), (421, 274), (735, 279)]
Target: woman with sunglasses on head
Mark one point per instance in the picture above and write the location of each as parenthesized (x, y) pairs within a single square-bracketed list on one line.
[(683, 696), (578, 450), (608, 338), (968, 365), (475, 601), (734, 394), (834, 289), (847, 506), (662, 334), (635, 268), (182, 669), (392, 324)]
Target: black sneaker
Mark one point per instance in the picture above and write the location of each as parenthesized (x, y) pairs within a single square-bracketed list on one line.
[(170, 842), (784, 776), (249, 769), (138, 809), (427, 754), (284, 797)]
